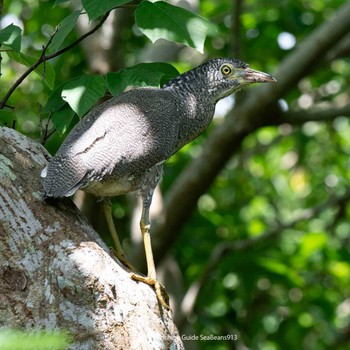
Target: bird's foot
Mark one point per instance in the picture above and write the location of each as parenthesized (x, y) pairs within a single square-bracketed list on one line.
[(161, 293)]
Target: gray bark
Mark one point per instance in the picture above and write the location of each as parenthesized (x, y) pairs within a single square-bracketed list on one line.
[(57, 274)]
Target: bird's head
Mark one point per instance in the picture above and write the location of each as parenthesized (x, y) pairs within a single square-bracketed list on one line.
[(228, 75), (218, 78)]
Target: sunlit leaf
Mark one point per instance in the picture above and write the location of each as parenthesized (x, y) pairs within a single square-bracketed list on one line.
[(161, 20), (11, 37), (82, 93)]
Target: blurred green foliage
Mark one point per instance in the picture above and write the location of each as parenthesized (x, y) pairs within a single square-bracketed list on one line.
[(16, 340), (286, 191)]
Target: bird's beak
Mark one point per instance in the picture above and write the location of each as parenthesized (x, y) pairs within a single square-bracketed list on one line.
[(249, 76)]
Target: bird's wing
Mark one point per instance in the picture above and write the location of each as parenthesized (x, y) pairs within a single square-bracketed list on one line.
[(62, 177), (125, 135)]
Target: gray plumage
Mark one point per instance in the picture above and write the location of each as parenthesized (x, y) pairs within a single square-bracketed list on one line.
[(120, 146), (111, 150)]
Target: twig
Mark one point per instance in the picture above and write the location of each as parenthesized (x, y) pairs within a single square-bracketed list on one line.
[(93, 30), (44, 58), (27, 72), (45, 133)]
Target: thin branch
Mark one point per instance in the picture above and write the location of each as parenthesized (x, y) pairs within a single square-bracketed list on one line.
[(43, 58), (293, 117), (342, 50), (28, 71), (93, 30), (300, 117), (44, 132)]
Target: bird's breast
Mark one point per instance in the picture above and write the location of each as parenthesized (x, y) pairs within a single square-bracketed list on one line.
[(112, 186)]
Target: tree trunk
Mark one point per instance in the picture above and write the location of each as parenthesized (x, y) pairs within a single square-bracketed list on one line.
[(57, 274)]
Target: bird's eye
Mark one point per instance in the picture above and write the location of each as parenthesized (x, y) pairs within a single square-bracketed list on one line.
[(226, 70)]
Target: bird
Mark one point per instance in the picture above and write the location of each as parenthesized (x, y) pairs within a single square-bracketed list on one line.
[(120, 145)]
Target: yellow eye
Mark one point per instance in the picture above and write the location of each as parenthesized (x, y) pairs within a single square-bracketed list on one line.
[(226, 69)]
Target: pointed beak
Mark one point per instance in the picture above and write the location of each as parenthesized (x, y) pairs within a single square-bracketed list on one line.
[(254, 76)]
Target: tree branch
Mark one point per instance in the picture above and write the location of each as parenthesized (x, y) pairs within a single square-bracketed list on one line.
[(226, 139), (300, 117), (57, 274), (43, 58)]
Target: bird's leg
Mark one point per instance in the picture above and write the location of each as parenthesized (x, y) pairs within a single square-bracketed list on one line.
[(151, 278), (119, 252), (150, 181)]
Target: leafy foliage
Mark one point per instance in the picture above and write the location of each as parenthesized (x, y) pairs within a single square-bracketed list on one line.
[(11, 37), (83, 92), (279, 211), (63, 29), (143, 74), (160, 20)]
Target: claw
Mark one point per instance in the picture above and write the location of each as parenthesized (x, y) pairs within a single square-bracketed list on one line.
[(161, 293)]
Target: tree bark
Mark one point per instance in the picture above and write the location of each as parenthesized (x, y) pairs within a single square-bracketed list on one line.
[(57, 274)]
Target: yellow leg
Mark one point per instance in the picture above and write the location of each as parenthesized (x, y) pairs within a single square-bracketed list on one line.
[(151, 278), (119, 252)]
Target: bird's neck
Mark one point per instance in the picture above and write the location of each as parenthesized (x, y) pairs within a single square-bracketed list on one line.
[(192, 91), (195, 107), (191, 84)]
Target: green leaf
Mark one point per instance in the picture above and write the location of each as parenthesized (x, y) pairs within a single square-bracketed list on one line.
[(55, 101), (144, 74), (83, 92), (59, 2), (11, 37), (44, 70), (160, 20), (97, 8), (62, 118), (64, 28), (7, 118), (61, 113)]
